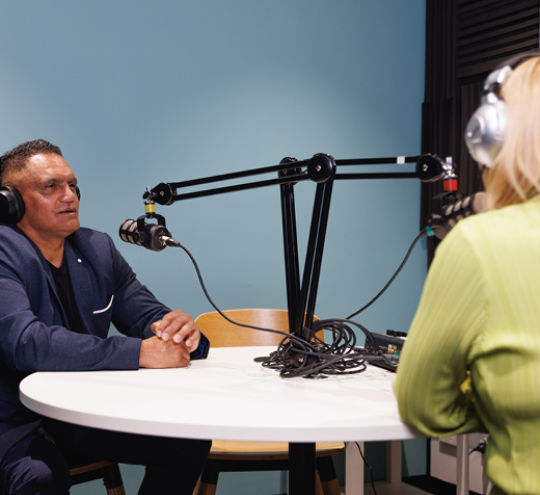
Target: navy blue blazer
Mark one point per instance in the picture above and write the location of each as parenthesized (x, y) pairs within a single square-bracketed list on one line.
[(33, 333)]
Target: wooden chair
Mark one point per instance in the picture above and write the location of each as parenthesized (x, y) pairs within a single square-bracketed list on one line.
[(108, 471), (228, 456)]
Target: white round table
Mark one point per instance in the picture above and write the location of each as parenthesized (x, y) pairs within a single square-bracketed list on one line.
[(225, 397)]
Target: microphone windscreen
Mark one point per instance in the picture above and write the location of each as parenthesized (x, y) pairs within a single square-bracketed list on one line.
[(151, 236), (128, 231), (453, 213)]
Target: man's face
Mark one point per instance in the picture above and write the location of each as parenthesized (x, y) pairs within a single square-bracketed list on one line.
[(47, 186)]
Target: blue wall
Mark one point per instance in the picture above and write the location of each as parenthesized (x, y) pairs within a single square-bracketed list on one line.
[(136, 93)]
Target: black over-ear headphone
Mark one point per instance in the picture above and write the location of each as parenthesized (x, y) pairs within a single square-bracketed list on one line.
[(485, 131), (12, 205)]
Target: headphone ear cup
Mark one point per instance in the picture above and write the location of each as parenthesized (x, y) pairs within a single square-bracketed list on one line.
[(485, 131), (11, 205)]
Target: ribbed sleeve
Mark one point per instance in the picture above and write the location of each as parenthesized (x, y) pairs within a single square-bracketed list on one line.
[(472, 358)]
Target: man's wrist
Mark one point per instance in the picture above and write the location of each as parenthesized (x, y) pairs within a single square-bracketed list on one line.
[(142, 355)]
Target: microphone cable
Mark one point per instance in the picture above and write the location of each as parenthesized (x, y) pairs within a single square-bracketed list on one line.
[(423, 233), (296, 356), (372, 478), (426, 232), (203, 287)]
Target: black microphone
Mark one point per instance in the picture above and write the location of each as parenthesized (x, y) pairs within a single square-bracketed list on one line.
[(451, 214), (151, 236)]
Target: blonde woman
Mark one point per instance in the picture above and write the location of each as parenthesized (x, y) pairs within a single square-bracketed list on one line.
[(472, 358)]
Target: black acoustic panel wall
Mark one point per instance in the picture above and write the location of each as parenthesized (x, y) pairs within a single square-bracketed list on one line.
[(465, 40)]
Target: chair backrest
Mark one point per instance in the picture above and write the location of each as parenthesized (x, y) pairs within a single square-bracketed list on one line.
[(222, 333)]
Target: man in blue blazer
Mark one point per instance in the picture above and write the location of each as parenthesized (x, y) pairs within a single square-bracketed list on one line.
[(60, 288)]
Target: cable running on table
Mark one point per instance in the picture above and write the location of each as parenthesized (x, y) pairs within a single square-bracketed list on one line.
[(296, 356)]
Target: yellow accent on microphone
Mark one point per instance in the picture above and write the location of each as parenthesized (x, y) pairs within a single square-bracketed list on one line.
[(150, 208)]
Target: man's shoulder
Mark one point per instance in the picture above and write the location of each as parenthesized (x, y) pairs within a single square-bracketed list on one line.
[(13, 238), (17, 251), (84, 234), (91, 241), (95, 246), (9, 229)]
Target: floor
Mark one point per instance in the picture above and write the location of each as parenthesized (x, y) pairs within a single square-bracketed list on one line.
[(416, 485), (386, 488)]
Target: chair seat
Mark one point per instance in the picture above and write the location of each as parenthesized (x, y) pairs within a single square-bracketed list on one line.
[(245, 451), (227, 456)]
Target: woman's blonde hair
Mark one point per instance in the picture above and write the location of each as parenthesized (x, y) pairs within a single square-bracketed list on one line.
[(515, 175)]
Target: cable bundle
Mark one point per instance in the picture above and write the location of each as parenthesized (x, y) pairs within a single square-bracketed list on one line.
[(297, 357)]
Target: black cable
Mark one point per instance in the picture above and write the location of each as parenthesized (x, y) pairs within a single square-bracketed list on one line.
[(418, 237), (481, 447), (370, 470), (203, 287), (310, 357)]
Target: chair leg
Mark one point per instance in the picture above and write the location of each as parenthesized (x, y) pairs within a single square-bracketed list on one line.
[(197, 486), (112, 480), (326, 482), (318, 485), (207, 489), (327, 474), (116, 491), (209, 478)]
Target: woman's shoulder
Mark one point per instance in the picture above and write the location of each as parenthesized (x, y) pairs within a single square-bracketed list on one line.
[(510, 221), (506, 237)]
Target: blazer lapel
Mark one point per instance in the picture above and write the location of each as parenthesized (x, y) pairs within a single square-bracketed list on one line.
[(79, 280)]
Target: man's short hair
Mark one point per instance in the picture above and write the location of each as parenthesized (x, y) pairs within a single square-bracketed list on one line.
[(16, 159)]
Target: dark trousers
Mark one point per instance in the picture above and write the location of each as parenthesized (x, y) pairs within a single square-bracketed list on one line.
[(37, 464)]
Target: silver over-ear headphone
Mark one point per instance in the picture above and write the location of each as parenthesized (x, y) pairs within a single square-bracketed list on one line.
[(485, 131)]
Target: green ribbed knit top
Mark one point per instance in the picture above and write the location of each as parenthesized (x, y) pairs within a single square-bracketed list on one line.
[(472, 358)]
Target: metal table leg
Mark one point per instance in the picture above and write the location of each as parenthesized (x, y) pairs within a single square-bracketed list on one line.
[(302, 469)]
